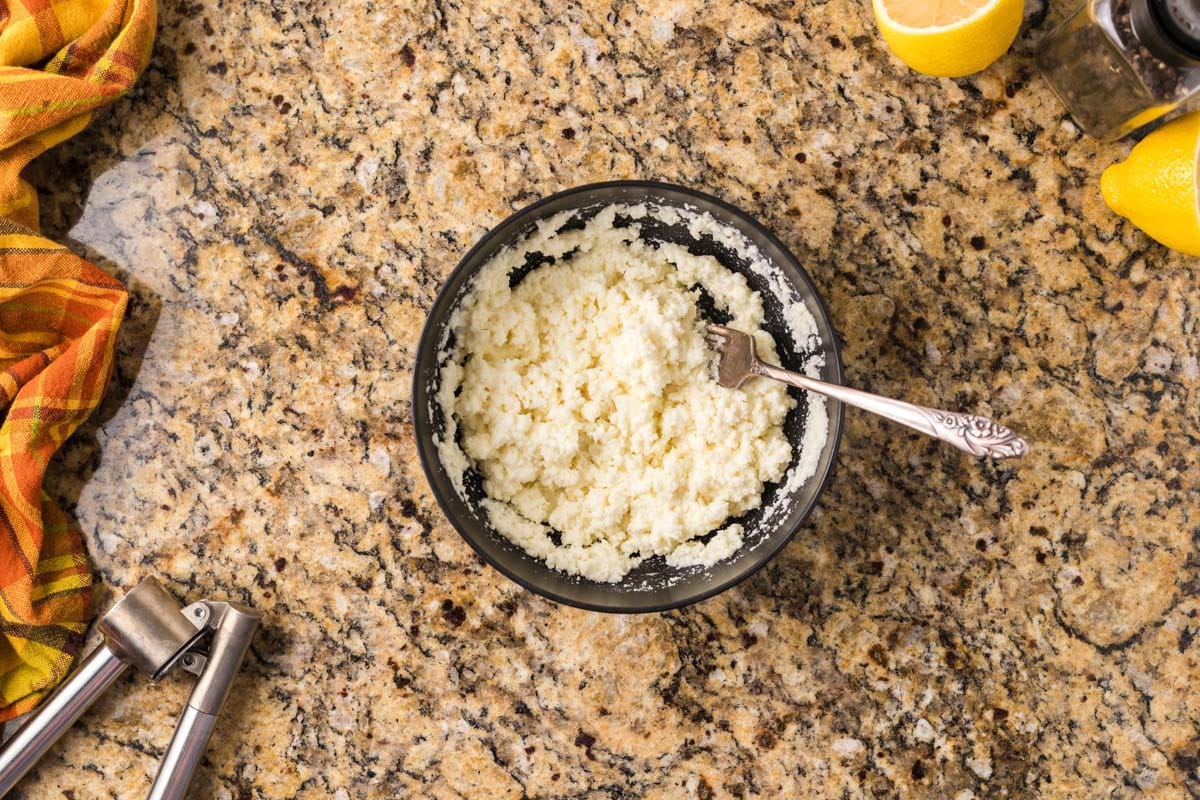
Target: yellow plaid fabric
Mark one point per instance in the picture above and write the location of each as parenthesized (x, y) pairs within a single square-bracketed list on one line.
[(59, 61)]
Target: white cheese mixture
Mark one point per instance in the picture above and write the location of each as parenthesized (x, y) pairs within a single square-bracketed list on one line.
[(586, 401)]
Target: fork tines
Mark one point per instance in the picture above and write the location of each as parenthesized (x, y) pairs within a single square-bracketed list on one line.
[(716, 336)]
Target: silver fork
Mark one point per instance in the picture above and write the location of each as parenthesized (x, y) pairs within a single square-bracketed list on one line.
[(978, 436)]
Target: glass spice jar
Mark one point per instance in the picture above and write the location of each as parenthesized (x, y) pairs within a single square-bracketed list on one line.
[(1118, 64)]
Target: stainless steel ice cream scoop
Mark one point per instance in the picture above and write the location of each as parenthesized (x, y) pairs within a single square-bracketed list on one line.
[(149, 630)]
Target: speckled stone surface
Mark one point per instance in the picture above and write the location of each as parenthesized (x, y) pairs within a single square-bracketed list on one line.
[(288, 186)]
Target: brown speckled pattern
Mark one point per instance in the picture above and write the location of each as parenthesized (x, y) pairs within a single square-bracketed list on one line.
[(288, 186)]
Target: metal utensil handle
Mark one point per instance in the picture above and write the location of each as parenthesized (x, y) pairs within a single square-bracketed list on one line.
[(976, 435), (57, 713), (183, 755), (233, 627)]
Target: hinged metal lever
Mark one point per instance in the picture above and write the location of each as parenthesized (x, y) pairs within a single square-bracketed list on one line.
[(149, 630), (145, 629), (233, 626)]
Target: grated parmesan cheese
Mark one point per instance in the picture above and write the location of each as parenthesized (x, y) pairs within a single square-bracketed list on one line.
[(586, 402)]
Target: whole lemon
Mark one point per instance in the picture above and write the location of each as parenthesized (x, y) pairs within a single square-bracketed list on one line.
[(1155, 187)]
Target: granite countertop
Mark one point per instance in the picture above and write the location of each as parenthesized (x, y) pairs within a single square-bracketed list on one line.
[(288, 186)]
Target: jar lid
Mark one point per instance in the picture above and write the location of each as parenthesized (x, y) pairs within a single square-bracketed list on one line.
[(1170, 29)]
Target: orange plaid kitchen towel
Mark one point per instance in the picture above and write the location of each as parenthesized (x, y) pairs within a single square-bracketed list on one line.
[(59, 61)]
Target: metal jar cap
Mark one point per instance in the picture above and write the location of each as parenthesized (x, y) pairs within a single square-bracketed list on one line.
[(1170, 29)]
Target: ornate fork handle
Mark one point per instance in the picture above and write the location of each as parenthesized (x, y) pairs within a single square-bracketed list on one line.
[(976, 435)]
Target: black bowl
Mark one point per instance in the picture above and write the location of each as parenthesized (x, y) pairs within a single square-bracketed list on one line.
[(653, 586)]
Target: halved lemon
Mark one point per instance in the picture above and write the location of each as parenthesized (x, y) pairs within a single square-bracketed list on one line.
[(949, 38)]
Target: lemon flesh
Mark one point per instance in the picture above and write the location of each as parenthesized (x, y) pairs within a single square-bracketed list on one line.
[(949, 38), (1156, 189)]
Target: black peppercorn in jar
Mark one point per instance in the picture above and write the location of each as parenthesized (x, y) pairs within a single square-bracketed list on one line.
[(1118, 64)]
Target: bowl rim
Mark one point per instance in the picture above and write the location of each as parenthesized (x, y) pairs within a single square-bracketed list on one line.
[(425, 451)]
